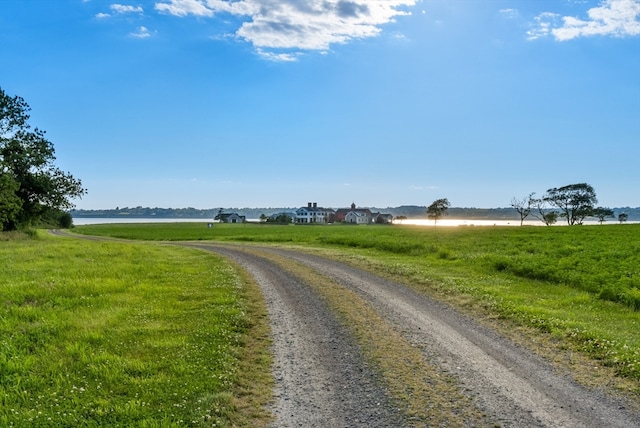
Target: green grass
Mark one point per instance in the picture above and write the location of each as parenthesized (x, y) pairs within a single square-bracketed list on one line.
[(580, 285), (604, 260), (118, 334)]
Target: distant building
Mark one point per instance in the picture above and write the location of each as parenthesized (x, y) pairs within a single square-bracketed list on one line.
[(383, 218), (282, 217), (357, 217), (230, 218), (312, 214), (354, 215)]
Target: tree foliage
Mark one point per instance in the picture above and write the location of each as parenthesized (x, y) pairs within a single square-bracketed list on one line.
[(437, 209), (622, 217), (602, 213), (542, 212), (575, 201), (28, 177)]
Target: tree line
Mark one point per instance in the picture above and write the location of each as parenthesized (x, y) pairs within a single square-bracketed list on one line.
[(573, 202)]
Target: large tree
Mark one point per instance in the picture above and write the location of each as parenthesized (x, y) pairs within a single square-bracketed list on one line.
[(575, 201), (438, 209), (27, 170)]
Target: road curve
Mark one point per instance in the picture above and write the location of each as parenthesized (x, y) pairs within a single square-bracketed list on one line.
[(321, 377), (322, 381)]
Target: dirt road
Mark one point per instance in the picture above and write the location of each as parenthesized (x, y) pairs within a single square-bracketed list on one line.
[(322, 378)]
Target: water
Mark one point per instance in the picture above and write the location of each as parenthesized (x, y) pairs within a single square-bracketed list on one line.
[(80, 221), (446, 222)]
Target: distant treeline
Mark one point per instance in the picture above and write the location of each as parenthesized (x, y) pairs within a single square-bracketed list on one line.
[(408, 211)]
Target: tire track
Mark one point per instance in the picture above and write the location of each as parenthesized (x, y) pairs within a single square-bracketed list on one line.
[(321, 378), (515, 387)]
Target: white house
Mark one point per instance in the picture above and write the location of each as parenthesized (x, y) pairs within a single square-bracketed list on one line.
[(312, 214), (357, 217), (230, 218)]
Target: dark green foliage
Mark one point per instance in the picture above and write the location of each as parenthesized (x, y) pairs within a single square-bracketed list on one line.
[(575, 201), (29, 179), (438, 209)]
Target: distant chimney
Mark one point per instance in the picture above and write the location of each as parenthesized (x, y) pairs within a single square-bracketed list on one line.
[(309, 205), (315, 205), (353, 205)]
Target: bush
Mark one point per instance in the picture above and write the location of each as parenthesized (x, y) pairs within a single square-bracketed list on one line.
[(65, 221)]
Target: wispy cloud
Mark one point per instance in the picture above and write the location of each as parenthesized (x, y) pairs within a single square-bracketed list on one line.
[(121, 8), (278, 57), (616, 18), (509, 13), (296, 25), (141, 33)]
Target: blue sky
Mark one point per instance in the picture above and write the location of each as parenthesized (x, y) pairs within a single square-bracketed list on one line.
[(273, 103)]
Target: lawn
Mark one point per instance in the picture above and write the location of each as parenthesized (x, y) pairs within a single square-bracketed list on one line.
[(121, 334), (579, 284)]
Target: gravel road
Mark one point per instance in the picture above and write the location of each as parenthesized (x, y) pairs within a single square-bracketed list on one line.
[(323, 381)]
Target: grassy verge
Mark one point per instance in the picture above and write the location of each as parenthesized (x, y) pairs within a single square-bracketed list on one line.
[(121, 334)]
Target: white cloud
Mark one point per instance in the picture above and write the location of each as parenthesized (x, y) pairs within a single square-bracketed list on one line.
[(612, 18), (296, 24), (120, 8), (509, 13), (102, 15), (278, 57), (184, 8), (141, 33), (544, 25)]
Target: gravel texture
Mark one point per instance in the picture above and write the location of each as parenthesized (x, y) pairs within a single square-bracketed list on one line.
[(321, 378)]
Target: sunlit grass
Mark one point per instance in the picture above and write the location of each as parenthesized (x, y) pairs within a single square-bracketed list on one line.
[(578, 284), (118, 334)]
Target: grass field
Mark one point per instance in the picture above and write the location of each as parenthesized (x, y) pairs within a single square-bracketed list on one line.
[(131, 333), (604, 261), (579, 284), (121, 334)]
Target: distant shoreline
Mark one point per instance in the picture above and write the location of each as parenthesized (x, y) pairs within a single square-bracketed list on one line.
[(410, 212)]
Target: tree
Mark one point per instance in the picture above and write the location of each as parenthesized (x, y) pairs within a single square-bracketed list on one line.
[(622, 217), (602, 213), (550, 218), (438, 209), (523, 206), (544, 215), (26, 159), (9, 202), (575, 201)]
